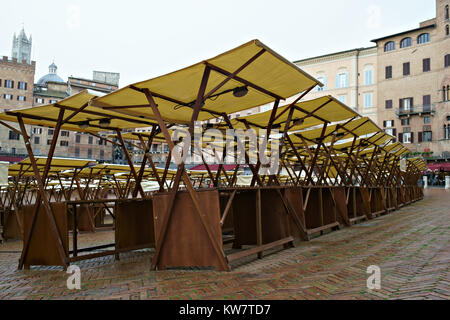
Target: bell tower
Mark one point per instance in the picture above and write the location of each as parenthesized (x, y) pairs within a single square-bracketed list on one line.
[(21, 47)]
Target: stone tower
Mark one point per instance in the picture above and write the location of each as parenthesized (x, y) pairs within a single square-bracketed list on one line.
[(21, 48)]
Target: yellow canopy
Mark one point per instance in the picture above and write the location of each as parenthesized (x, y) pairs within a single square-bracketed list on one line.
[(86, 120), (24, 167), (359, 127), (267, 77), (305, 115)]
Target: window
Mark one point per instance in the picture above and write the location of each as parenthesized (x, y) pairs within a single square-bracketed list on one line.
[(89, 153), (343, 98), (21, 98), (13, 150), (90, 140), (39, 100), (389, 72), (37, 140), (426, 136), (368, 97), (64, 143), (53, 101), (342, 80), (426, 103), (50, 132), (407, 137), (406, 69), (9, 84), (77, 152), (427, 120), (368, 77), (446, 93), (8, 96), (447, 60), (22, 85), (388, 104), (405, 122), (37, 130), (390, 46), (102, 154), (447, 30), (13, 135), (64, 133), (406, 104), (388, 123), (77, 138), (446, 12), (324, 81), (100, 142), (423, 38), (426, 65), (447, 132), (407, 42), (49, 142)]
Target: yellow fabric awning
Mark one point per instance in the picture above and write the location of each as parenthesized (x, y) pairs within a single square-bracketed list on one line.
[(305, 115), (270, 76), (88, 118), (25, 168)]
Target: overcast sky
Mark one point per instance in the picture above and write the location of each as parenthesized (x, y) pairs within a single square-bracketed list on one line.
[(142, 39)]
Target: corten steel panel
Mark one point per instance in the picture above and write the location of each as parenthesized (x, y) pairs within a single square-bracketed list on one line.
[(12, 229), (376, 200), (351, 204), (295, 197), (313, 210), (244, 217), (275, 223), (341, 205), (187, 243), (363, 202), (43, 250), (228, 223), (329, 210), (134, 223), (84, 222)]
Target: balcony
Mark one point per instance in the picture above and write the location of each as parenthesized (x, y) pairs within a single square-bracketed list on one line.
[(416, 110)]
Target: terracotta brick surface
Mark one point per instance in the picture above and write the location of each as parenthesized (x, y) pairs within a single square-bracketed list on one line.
[(411, 246)]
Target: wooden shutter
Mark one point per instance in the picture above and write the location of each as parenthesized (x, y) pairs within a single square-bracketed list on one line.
[(12, 84), (0, 83), (384, 124), (412, 137), (400, 137), (420, 138), (394, 133)]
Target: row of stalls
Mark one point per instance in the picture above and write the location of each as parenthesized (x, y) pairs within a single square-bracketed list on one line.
[(317, 165)]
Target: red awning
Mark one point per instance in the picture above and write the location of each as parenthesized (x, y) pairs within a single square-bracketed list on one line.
[(440, 166), (214, 167), (11, 159)]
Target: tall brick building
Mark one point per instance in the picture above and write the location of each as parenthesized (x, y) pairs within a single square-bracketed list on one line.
[(403, 83), (16, 91), (413, 80)]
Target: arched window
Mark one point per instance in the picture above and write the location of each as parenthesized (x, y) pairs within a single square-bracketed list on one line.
[(446, 12), (447, 30), (407, 42), (389, 46), (423, 38)]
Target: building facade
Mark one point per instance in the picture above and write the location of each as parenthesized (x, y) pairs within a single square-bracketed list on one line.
[(413, 85), (16, 91), (350, 76)]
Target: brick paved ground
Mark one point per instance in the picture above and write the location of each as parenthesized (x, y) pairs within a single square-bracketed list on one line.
[(412, 247)]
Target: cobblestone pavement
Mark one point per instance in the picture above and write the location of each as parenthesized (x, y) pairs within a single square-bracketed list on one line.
[(411, 246)]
